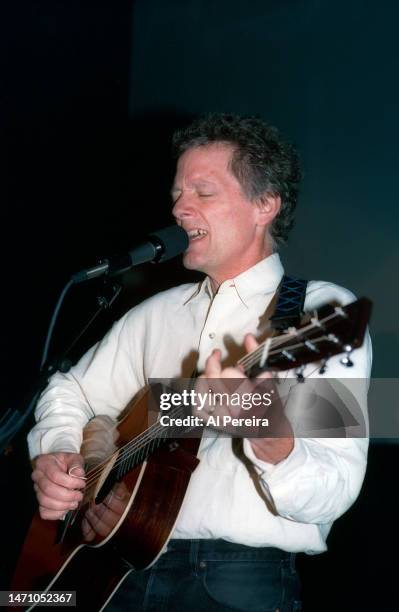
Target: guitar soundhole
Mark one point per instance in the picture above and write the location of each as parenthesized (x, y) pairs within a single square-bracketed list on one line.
[(109, 482)]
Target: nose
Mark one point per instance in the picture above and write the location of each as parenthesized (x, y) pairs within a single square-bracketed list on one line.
[(183, 207)]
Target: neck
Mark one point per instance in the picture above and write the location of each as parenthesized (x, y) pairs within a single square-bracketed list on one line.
[(214, 285), (217, 279)]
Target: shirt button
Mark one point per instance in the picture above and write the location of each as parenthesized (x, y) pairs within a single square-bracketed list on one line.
[(212, 335), (202, 564)]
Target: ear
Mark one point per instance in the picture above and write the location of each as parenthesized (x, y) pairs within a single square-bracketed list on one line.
[(267, 208)]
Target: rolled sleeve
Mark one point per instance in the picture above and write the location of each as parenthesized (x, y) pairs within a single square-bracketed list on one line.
[(322, 476), (318, 481)]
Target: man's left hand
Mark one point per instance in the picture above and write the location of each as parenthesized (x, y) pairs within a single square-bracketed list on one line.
[(273, 449)]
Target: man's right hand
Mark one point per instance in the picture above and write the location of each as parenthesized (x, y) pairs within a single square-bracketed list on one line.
[(55, 488)]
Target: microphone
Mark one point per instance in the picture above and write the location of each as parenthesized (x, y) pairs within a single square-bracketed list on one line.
[(159, 246)]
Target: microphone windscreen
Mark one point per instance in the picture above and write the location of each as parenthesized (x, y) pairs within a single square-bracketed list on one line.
[(173, 239)]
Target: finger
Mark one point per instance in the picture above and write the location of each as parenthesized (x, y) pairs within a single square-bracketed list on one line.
[(213, 366), (266, 374), (209, 381), (51, 515), (250, 343), (54, 504), (232, 373), (48, 488), (62, 462), (52, 472), (121, 491), (101, 519), (116, 501), (88, 532), (117, 506)]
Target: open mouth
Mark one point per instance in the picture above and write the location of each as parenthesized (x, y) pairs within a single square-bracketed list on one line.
[(196, 234)]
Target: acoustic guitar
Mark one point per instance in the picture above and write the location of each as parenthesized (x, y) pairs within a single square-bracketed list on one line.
[(155, 470)]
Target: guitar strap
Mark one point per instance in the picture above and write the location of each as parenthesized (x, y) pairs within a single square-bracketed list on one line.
[(291, 298), (287, 304)]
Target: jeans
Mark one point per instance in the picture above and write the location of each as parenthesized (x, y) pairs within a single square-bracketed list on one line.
[(212, 575)]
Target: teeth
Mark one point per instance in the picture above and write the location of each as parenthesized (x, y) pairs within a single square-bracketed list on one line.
[(195, 233)]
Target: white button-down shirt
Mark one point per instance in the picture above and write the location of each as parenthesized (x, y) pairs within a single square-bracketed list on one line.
[(166, 337)]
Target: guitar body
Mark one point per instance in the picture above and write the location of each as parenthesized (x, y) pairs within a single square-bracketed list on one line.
[(94, 574), (156, 488)]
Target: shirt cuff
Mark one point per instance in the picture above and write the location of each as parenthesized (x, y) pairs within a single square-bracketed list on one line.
[(276, 474), (41, 443), (295, 459)]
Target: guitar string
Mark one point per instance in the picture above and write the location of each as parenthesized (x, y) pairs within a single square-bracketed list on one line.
[(289, 347), (147, 435), (253, 357), (126, 456), (125, 452), (249, 360), (132, 446), (139, 444)]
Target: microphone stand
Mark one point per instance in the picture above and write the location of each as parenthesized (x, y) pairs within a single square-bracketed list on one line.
[(12, 421), (160, 246)]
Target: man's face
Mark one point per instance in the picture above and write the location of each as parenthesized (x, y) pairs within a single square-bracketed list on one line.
[(224, 226)]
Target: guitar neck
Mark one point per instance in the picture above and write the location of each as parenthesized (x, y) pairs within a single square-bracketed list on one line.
[(328, 331)]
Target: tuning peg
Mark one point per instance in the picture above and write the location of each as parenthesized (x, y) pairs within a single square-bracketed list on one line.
[(299, 374), (323, 366), (346, 360)]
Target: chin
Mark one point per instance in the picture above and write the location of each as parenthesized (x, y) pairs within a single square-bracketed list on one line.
[(193, 263)]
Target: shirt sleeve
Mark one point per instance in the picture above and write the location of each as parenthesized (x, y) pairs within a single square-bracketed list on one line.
[(319, 480), (322, 477), (90, 388)]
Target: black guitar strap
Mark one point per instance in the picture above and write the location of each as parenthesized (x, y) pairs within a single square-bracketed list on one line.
[(291, 298), (291, 295)]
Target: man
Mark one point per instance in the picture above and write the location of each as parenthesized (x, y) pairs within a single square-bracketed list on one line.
[(234, 193)]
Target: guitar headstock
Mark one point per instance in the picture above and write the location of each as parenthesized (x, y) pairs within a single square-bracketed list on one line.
[(325, 332)]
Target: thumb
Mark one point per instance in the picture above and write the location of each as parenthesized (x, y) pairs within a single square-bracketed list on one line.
[(74, 464), (213, 366)]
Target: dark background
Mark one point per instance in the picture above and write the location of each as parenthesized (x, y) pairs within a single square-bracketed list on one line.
[(91, 92)]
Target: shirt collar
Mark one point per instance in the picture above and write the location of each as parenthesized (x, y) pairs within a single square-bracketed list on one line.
[(203, 287), (263, 277)]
